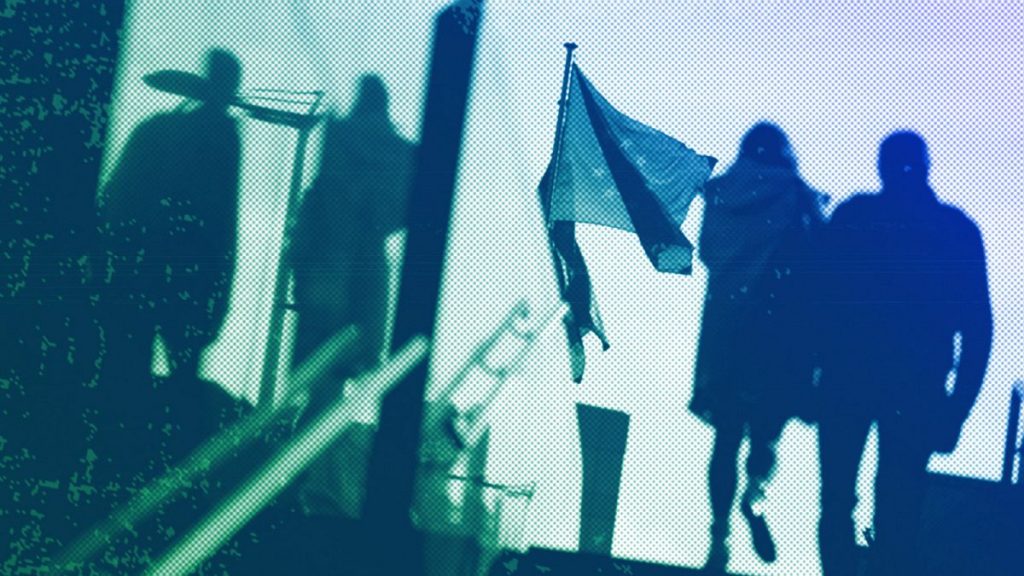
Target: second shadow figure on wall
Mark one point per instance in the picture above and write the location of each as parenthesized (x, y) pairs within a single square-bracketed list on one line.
[(338, 254)]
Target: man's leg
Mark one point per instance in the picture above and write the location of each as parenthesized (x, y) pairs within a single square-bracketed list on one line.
[(899, 496), (842, 433)]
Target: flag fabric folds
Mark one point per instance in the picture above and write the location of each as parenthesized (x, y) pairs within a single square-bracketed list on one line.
[(574, 286), (614, 171)]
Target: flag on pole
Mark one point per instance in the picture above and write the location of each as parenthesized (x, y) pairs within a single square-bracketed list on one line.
[(614, 171), (611, 170)]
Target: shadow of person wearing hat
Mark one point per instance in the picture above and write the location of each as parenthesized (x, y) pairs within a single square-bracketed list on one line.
[(170, 211)]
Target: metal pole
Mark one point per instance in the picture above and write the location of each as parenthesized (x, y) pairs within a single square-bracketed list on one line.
[(268, 380), (213, 452), (556, 153), (1012, 428), (262, 487), (548, 195)]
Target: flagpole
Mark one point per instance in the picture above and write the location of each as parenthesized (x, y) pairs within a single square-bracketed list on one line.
[(561, 273), (556, 158), (556, 152)]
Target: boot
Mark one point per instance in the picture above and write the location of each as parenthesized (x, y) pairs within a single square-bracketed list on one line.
[(764, 545), (718, 556)]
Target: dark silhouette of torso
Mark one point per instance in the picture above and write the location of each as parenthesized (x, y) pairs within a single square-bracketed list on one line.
[(338, 245), (905, 276), (172, 211), (338, 255), (758, 228)]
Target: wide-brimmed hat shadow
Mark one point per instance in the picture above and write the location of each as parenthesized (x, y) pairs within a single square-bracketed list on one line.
[(218, 86)]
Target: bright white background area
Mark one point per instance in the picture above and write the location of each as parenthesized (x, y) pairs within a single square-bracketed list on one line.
[(837, 76)]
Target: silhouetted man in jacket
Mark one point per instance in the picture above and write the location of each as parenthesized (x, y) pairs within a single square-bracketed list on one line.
[(905, 275)]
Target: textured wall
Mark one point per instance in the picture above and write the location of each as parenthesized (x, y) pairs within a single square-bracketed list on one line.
[(57, 64)]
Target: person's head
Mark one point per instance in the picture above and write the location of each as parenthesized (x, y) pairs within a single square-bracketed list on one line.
[(223, 76), (372, 98), (766, 143), (903, 161)]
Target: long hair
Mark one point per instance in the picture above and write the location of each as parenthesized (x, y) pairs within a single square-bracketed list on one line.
[(766, 143)]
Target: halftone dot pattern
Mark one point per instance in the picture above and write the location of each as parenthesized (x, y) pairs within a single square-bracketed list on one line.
[(837, 77)]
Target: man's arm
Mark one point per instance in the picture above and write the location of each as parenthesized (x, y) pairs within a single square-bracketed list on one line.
[(974, 324)]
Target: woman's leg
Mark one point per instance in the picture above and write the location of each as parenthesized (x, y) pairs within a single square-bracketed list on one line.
[(764, 434), (722, 484)]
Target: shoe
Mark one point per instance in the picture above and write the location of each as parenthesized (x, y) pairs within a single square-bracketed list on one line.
[(763, 543), (718, 557)]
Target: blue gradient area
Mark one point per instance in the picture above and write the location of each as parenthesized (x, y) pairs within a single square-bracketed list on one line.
[(838, 78)]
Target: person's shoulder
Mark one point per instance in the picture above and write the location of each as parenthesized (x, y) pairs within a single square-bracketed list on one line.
[(859, 206), (153, 133), (162, 117), (213, 128), (160, 121), (729, 173), (954, 214), (957, 221), (860, 201), (717, 178), (168, 122)]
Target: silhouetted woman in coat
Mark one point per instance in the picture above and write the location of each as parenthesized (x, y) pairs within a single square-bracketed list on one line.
[(753, 357)]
